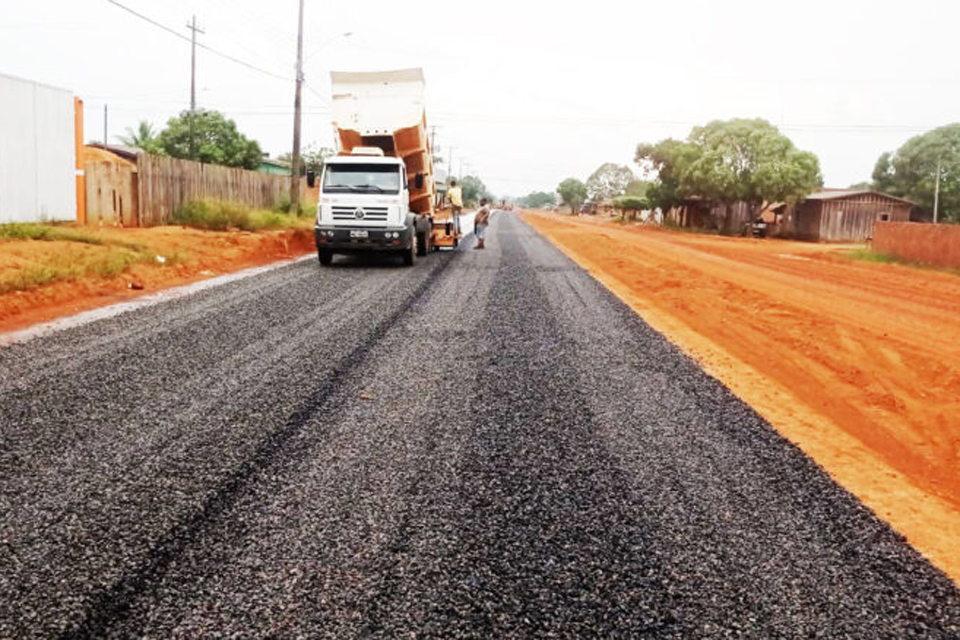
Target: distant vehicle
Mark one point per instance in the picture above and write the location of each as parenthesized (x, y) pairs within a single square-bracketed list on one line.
[(589, 207), (378, 194), (758, 228)]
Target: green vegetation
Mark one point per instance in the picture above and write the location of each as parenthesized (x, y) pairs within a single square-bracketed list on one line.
[(725, 162), (51, 232), (869, 255), (631, 205), (143, 137), (609, 181), (312, 158), (222, 216), (573, 193), (537, 199), (86, 254), (911, 172), (207, 136), (473, 189)]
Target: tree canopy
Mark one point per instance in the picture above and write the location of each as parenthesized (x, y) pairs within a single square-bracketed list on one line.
[(573, 193), (665, 162), (729, 161), (473, 189), (207, 136), (312, 158), (143, 137), (609, 181), (537, 199), (911, 172)]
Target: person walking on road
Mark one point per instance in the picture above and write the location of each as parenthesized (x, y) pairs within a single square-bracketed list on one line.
[(456, 202), (480, 222)]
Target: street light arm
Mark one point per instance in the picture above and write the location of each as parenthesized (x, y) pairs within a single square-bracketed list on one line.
[(345, 34)]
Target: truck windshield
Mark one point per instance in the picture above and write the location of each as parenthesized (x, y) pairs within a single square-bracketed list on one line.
[(352, 178)]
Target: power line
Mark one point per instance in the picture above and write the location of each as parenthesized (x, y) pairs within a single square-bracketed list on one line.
[(215, 52)]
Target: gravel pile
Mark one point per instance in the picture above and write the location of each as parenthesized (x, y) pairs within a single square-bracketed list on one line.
[(487, 445)]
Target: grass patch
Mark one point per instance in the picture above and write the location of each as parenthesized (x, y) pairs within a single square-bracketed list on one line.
[(70, 263), (214, 215), (869, 255)]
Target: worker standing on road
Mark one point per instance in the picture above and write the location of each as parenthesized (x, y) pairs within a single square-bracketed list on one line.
[(480, 222), (456, 202)]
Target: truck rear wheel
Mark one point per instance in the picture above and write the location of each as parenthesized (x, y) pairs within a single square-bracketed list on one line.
[(326, 257), (410, 255)]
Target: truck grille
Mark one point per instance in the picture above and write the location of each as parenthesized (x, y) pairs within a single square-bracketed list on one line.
[(349, 214)]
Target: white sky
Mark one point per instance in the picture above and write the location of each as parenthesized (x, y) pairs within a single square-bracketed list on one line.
[(527, 93)]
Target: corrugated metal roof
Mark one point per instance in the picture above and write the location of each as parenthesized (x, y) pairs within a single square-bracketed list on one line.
[(838, 194)]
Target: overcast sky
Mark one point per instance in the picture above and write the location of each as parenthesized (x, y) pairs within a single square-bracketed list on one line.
[(526, 93)]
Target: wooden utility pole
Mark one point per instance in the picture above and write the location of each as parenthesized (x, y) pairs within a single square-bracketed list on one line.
[(104, 125), (192, 25), (295, 156)]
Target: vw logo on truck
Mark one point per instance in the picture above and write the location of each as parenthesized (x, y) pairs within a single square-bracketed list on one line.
[(359, 213)]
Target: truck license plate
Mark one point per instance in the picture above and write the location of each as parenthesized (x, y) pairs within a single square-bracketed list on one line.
[(359, 234)]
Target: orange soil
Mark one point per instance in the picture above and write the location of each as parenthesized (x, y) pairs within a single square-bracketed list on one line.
[(192, 254), (857, 363)]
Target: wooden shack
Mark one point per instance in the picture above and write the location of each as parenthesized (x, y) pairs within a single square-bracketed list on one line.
[(842, 215), (112, 194)]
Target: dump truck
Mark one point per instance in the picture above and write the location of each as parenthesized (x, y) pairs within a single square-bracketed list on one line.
[(378, 193)]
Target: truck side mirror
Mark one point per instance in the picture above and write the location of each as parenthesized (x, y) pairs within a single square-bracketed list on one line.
[(311, 179), (418, 181)]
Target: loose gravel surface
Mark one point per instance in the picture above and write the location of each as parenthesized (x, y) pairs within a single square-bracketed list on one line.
[(486, 445)]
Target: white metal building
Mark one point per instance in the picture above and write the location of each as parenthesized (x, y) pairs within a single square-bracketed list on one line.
[(37, 152)]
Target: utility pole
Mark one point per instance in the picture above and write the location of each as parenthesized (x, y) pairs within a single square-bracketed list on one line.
[(295, 156), (450, 165), (936, 195), (104, 125), (192, 25)]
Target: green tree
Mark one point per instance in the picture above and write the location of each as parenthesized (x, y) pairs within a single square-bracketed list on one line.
[(665, 162), (312, 158), (573, 193), (143, 137), (609, 181), (473, 189), (636, 188), (537, 199), (748, 161), (631, 205), (911, 172), (207, 136)]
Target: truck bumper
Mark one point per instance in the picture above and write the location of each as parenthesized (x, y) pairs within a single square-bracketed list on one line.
[(348, 240)]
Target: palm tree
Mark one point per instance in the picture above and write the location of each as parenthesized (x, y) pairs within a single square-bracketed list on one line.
[(144, 137)]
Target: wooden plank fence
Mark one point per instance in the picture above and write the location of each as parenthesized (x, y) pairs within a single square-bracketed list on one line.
[(166, 184)]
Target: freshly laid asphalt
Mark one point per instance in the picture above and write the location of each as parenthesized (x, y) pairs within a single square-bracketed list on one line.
[(486, 445)]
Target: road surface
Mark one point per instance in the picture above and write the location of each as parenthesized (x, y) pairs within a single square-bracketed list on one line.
[(488, 444)]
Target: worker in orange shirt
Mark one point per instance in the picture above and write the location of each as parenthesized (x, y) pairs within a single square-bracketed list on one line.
[(456, 202)]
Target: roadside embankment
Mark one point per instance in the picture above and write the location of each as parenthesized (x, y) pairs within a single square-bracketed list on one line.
[(48, 271), (852, 361)]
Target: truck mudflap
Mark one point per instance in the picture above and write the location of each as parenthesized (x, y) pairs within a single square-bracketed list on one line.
[(358, 239)]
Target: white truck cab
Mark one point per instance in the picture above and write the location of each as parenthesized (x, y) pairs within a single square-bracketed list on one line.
[(364, 205)]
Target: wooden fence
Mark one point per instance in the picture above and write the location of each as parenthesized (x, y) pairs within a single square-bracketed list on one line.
[(165, 184), (935, 244)]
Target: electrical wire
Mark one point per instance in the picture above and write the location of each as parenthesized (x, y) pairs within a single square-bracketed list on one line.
[(221, 54)]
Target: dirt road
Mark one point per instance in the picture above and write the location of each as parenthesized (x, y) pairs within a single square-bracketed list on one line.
[(858, 363), (489, 444)]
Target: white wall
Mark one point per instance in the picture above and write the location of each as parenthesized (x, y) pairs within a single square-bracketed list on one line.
[(37, 152)]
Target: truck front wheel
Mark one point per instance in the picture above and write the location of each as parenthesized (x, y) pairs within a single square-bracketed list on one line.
[(326, 257), (410, 255), (423, 244)]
